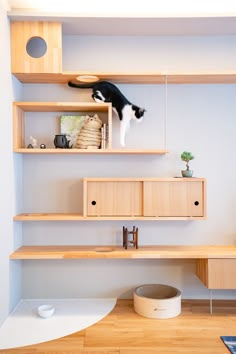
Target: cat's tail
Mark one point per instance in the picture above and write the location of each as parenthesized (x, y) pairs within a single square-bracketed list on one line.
[(87, 85)]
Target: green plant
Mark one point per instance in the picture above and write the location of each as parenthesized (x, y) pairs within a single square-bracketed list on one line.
[(187, 156)]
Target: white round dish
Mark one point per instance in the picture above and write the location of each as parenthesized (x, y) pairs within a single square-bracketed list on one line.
[(46, 311)]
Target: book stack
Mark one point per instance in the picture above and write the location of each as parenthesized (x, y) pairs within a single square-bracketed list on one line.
[(104, 132)]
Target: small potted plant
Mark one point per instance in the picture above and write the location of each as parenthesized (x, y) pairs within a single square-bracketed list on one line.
[(187, 156)]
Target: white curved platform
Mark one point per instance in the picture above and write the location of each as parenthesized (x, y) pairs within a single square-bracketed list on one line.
[(24, 327)]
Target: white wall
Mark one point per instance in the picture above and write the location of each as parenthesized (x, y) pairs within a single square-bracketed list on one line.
[(158, 54), (201, 118), (10, 235)]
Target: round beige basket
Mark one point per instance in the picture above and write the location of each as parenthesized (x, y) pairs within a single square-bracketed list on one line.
[(157, 301)]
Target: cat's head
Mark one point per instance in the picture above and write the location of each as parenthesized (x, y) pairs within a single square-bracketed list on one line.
[(93, 122), (138, 112)]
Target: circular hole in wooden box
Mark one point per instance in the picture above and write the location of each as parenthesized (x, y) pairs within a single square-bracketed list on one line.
[(36, 47)]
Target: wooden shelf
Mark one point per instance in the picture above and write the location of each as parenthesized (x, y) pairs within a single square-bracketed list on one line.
[(49, 68), (48, 217), (132, 78), (189, 214), (79, 217), (115, 252), (20, 108), (92, 151), (62, 106)]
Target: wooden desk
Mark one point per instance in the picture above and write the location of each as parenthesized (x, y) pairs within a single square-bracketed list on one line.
[(215, 265)]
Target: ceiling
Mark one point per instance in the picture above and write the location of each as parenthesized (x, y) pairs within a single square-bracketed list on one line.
[(106, 22)]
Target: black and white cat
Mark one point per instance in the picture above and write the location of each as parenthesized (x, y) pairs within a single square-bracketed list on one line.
[(104, 91)]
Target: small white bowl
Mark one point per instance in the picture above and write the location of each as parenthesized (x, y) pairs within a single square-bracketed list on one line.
[(46, 311)]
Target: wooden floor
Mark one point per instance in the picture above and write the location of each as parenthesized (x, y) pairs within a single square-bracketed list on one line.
[(195, 331)]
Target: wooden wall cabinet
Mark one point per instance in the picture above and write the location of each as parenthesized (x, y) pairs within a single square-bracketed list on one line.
[(114, 198), (173, 198), (152, 199), (147, 197)]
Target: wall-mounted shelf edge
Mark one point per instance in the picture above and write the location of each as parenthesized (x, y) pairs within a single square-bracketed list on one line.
[(79, 217), (131, 78), (93, 151), (118, 252)]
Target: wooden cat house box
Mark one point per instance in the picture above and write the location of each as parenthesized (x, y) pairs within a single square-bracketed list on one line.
[(36, 47)]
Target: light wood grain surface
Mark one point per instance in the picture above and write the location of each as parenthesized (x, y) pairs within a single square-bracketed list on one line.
[(132, 78), (123, 331), (143, 252), (22, 61), (217, 273), (62, 106), (92, 151), (114, 197), (80, 217)]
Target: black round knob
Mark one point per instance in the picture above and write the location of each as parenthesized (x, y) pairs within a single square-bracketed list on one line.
[(93, 202), (196, 203)]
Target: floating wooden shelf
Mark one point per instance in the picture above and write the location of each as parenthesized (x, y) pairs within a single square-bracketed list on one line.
[(188, 194), (131, 78), (48, 217), (79, 217), (115, 252), (48, 69), (62, 106), (93, 151), (21, 108)]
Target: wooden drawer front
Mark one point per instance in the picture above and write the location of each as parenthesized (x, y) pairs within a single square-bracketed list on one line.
[(170, 198), (217, 273), (118, 198), (222, 273)]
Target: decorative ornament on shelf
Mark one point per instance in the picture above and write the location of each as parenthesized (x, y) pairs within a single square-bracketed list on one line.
[(90, 136), (33, 143), (134, 238), (61, 142), (187, 156)]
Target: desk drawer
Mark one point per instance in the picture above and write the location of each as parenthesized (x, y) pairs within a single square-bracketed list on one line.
[(217, 273)]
